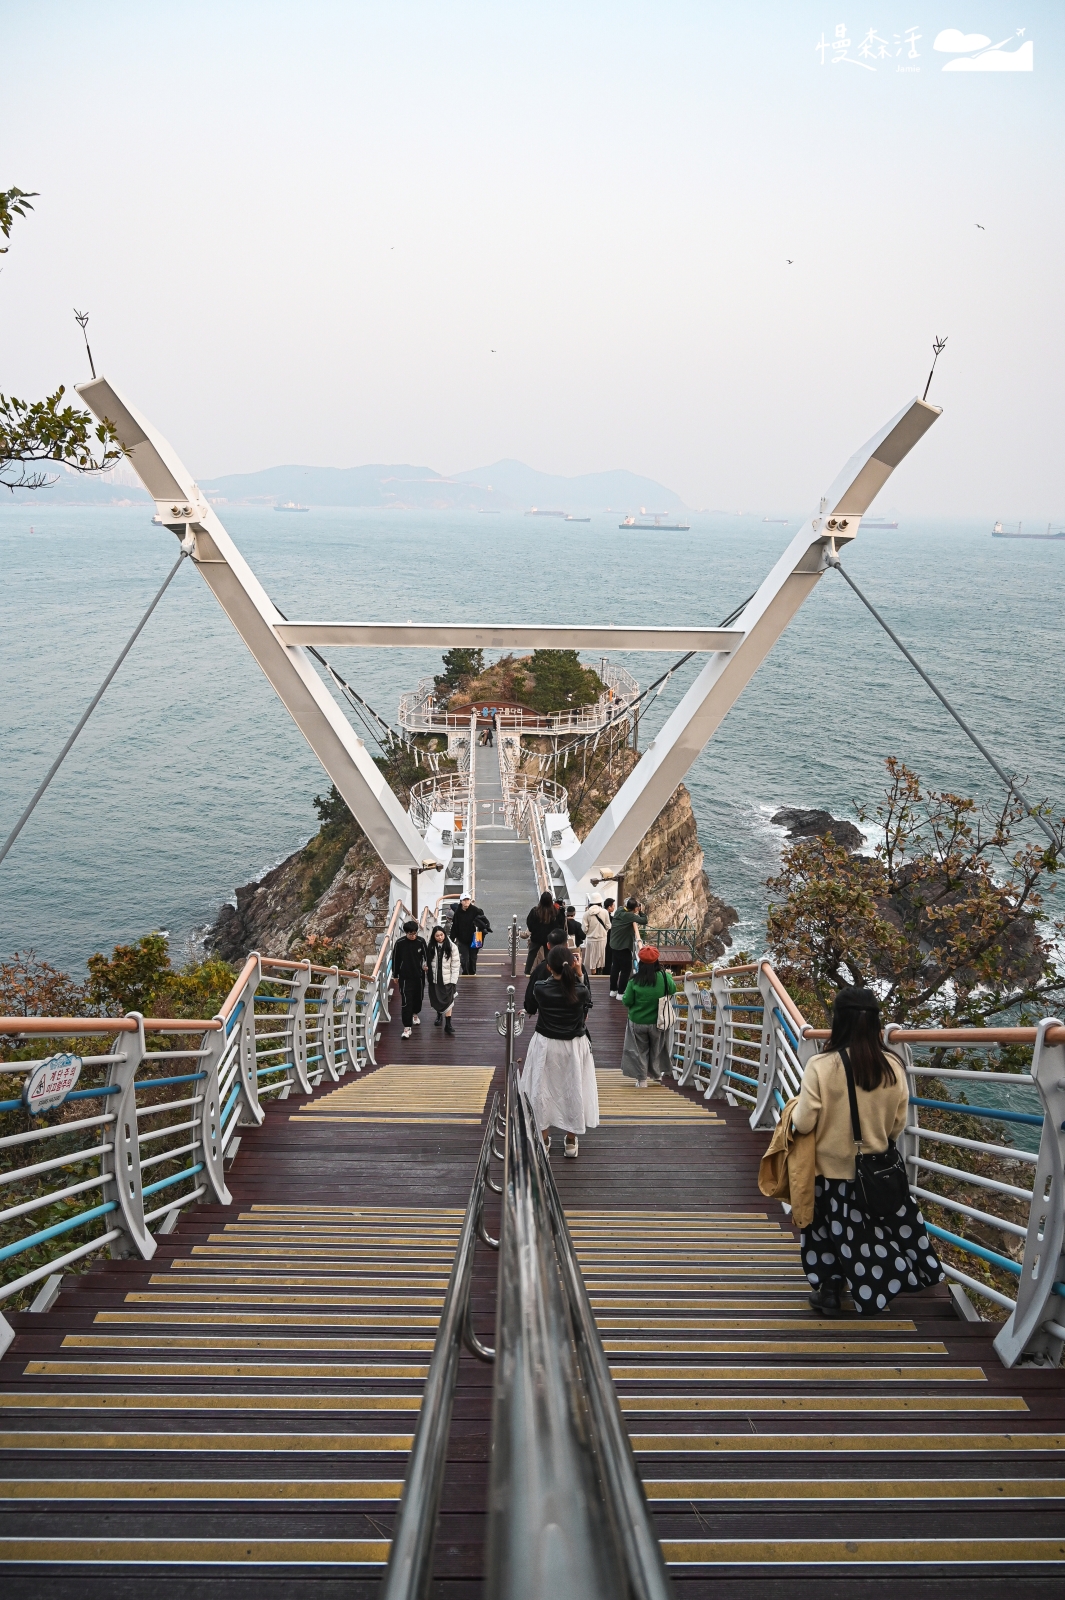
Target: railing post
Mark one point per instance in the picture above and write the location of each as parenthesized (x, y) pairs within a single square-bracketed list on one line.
[(250, 1112), (722, 1035), (330, 988), (1032, 1327), (761, 1116), (125, 1186), (346, 1011), (514, 945), (217, 1045), (297, 1025)]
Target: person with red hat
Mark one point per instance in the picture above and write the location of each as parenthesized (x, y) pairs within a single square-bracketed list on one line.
[(649, 1035)]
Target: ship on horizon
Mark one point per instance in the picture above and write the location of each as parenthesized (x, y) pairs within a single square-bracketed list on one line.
[(657, 525), (290, 505), (999, 532)]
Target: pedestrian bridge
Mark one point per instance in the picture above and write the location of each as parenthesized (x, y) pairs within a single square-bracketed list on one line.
[(344, 1326)]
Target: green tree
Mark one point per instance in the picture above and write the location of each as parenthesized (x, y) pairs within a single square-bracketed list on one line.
[(36, 431), (562, 684), (460, 665), (132, 977), (947, 912)]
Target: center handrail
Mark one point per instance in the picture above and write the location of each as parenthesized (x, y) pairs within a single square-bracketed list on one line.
[(567, 1513), (410, 1561)]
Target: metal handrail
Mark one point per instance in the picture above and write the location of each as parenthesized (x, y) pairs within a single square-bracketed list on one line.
[(566, 1509), (410, 1561)]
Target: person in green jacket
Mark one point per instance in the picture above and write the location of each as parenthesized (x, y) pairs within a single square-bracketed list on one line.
[(619, 945), (647, 1048)]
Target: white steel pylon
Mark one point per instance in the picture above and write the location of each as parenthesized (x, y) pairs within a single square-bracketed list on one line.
[(278, 644)]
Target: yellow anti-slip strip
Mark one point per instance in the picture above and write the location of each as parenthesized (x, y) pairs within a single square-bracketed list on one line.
[(391, 1214), (302, 1371), (198, 1552), (796, 1375), (796, 1323), (313, 1317), (689, 1489), (710, 1405), (437, 1120), (203, 1489), (196, 1297), (253, 1443), (429, 1258), (586, 1214), (13, 1401), (257, 1278), (734, 1300), (217, 1341), (843, 1443), (761, 1347), (861, 1552)]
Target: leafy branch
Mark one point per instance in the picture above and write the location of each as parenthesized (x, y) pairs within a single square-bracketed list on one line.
[(44, 430), (13, 203)]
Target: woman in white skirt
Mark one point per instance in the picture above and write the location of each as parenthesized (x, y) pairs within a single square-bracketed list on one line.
[(559, 1073)]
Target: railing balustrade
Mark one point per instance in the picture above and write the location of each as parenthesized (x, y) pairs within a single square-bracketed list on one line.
[(740, 1035), (169, 1117)]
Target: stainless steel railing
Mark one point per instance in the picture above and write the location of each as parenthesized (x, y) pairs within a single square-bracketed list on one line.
[(410, 1561), (567, 1513)]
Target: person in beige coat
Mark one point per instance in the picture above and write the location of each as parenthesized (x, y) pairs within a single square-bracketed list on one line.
[(876, 1257)]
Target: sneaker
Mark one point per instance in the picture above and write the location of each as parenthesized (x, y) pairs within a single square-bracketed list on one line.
[(417, 1022), (571, 1146), (405, 1034), (641, 1083), (613, 994), (547, 1142)]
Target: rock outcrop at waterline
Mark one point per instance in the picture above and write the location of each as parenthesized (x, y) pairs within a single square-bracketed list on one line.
[(802, 824), (289, 912)]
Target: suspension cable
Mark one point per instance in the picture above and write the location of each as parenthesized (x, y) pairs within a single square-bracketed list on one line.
[(93, 703), (1040, 822)]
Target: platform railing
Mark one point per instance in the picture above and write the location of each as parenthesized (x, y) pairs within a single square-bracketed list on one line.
[(741, 1035), (420, 712), (169, 1116)]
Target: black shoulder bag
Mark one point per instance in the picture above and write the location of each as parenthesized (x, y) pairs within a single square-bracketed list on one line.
[(879, 1178)]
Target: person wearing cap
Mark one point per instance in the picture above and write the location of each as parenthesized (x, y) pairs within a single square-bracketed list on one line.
[(467, 921), (410, 963), (596, 928), (646, 1052), (875, 1257), (620, 942)]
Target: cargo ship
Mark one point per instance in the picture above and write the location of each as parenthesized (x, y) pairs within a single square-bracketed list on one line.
[(998, 532), (659, 525), (290, 505)]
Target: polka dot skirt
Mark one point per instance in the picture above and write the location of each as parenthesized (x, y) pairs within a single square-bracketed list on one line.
[(876, 1257)]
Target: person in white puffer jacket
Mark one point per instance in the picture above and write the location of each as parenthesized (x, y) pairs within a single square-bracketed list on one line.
[(596, 929), (444, 969)]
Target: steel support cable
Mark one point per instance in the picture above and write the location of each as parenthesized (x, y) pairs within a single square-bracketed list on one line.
[(1041, 822), (90, 708)]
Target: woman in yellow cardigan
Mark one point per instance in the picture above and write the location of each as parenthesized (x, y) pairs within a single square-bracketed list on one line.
[(875, 1256)]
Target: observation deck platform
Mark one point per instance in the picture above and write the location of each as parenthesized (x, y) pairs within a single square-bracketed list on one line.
[(234, 1416)]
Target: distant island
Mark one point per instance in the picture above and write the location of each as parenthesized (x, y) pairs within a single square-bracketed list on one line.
[(503, 486)]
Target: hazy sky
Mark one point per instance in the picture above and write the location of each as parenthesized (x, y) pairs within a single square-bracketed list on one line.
[(445, 233)]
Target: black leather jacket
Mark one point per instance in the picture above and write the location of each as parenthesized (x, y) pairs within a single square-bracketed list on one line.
[(557, 1017)]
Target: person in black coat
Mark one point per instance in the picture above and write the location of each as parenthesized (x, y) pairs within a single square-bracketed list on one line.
[(574, 929), (467, 920), (557, 936), (544, 916), (410, 963)]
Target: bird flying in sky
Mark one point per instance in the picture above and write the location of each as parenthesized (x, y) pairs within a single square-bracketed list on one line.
[(980, 226)]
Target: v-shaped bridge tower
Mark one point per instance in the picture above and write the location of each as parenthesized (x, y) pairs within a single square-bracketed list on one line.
[(281, 647)]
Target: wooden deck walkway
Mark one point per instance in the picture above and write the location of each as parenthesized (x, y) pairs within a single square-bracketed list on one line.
[(234, 1416)]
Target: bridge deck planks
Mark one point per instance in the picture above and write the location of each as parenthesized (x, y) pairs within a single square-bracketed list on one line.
[(749, 1508)]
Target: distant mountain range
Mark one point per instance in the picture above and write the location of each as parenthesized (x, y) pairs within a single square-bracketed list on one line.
[(504, 486)]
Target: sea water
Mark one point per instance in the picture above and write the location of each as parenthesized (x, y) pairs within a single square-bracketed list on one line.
[(190, 777)]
